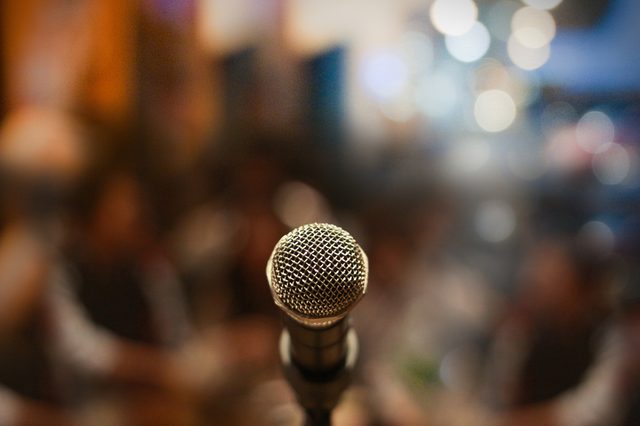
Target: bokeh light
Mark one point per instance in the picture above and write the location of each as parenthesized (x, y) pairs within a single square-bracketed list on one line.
[(563, 151), (42, 141), (495, 221), (533, 28), (594, 131), (611, 164), (385, 74), (453, 17), (297, 203), (470, 46), (224, 26), (525, 57), (597, 235), (494, 110), (523, 87), (469, 156), (489, 74)]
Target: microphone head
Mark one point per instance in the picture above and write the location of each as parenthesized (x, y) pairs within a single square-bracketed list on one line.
[(317, 273)]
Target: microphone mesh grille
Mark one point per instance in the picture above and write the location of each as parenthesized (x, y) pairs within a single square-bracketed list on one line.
[(318, 271)]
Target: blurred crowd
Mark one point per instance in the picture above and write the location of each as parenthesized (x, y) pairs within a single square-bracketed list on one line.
[(137, 218), (129, 301)]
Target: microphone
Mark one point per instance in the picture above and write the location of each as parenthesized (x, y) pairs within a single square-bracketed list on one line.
[(317, 273)]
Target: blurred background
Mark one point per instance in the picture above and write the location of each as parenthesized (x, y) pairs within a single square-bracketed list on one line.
[(484, 153)]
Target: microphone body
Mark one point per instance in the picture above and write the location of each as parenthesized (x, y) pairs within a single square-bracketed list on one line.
[(317, 273), (318, 351)]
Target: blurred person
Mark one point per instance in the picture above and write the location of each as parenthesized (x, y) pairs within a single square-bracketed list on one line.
[(30, 392), (252, 229), (116, 302), (223, 242), (609, 393), (552, 343), (41, 156), (422, 310), (254, 173), (122, 317)]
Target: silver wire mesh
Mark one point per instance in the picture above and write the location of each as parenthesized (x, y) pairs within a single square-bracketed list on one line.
[(318, 271)]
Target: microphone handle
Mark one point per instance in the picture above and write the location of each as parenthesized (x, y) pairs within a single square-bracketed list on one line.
[(325, 363), (318, 352)]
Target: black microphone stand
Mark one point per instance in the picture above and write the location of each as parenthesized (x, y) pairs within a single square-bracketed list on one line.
[(318, 393)]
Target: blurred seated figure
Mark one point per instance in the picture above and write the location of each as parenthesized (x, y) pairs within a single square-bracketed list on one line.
[(609, 393), (422, 312), (552, 350), (253, 184), (30, 393), (120, 315), (222, 245), (117, 307), (41, 155), (116, 302)]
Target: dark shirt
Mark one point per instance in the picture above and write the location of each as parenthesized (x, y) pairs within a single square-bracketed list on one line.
[(113, 296), (556, 362), (25, 364)]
